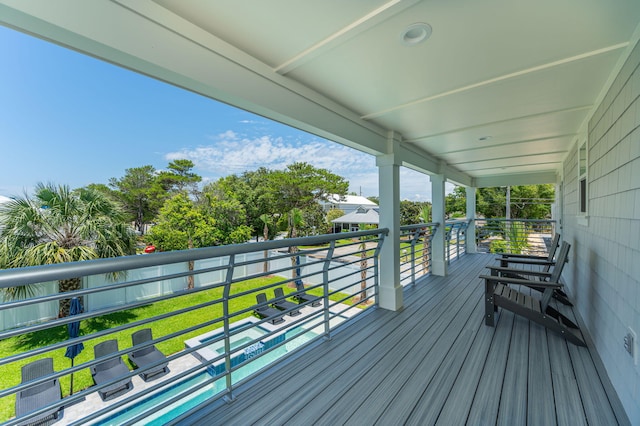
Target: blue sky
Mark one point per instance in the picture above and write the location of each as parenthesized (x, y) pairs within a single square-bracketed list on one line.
[(71, 119)]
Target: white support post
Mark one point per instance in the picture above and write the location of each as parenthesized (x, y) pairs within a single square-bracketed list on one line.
[(471, 216), (438, 244), (389, 182)]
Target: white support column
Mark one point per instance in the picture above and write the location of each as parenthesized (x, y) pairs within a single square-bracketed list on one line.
[(389, 184), (438, 247), (471, 216)]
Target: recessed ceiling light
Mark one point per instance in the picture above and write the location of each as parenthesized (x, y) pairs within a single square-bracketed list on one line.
[(484, 138), (415, 34)]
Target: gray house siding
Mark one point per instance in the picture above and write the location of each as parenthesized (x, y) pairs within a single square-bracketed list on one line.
[(604, 273)]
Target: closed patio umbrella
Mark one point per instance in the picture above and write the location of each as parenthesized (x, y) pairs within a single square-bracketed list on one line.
[(73, 328), (298, 280)]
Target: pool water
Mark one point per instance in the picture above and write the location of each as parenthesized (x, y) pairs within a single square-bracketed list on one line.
[(196, 392)]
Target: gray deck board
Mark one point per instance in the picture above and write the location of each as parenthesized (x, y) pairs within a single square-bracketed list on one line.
[(432, 362), (541, 407), (484, 408), (513, 402)]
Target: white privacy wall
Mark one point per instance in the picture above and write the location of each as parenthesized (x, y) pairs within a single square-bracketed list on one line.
[(604, 270)]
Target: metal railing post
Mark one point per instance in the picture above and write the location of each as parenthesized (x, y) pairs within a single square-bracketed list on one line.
[(414, 239), (325, 279), (376, 269), (227, 327)]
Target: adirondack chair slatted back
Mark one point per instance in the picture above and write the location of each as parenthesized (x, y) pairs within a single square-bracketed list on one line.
[(555, 275), (552, 251), (560, 261)]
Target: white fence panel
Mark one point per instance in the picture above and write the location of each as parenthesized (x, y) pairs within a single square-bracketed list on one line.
[(17, 317)]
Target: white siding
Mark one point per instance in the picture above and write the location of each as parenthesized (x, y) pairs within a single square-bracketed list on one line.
[(604, 273)]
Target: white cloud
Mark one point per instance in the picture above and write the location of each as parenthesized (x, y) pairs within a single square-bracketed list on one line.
[(230, 153)]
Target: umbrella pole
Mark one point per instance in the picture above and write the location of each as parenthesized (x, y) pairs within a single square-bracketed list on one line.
[(71, 387)]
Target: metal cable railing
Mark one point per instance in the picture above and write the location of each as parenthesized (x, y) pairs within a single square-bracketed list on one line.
[(455, 238), (217, 286), (415, 251), (517, 236)]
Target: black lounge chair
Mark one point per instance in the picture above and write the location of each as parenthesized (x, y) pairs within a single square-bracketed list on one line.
[(38, 396), (263, 310), (283, 304), (144, 357), (541, 276), (303, 298), (109, 370), (498, 293)]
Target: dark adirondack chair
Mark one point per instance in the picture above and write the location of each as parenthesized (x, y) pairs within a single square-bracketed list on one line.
[(542, 273), (263, 310), (303, 298), (38, 396), (109, 370), (499, 293), (144, 357), (507, 258), (283, 304)]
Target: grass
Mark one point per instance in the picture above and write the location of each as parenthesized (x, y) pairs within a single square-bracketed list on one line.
[(11, 374)]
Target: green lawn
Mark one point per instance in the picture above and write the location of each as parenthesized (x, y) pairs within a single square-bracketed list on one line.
[(10, 374)]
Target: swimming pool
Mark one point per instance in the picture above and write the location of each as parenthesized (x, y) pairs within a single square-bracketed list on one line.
[(195, 392)]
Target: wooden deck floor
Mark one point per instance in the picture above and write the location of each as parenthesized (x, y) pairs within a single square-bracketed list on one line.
[(434, 362)]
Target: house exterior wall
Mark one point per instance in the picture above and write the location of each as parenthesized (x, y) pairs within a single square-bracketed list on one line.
[(603, 275)]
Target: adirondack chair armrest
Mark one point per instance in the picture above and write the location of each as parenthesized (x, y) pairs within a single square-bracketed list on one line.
[(525, 261), (522, 256), (517, 281), (503, 269)]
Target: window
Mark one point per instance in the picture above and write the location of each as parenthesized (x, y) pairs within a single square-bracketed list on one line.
[(582, 179)]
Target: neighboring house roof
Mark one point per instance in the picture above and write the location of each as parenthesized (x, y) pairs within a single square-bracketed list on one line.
[(356, 200), (361, 215)]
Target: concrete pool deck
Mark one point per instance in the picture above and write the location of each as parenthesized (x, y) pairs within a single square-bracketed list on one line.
[(93, 402)]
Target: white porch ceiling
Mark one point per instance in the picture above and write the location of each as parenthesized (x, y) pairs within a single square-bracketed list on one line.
[(525, 74)]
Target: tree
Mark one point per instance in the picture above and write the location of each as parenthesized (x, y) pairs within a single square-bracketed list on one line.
[(425, 217), (532, 201), (230, 220), (140, 193), (267, 220), (364, 263), (255, 190), (301, 185), (314, 221), (410, 211), (57, 225), (332, 215), (294, 221), (527, 202), (456, 202), (181, 226), (374, 199), (179, 177)]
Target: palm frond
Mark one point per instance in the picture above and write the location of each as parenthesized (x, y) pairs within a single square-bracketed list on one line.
[(19, 292)]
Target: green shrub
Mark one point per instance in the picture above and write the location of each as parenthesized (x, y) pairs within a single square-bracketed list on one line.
[(498, 246)]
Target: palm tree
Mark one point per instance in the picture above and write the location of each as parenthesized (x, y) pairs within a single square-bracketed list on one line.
[(266, 219), (364, 263), (424, 217), (294, 220), (58, 225)]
